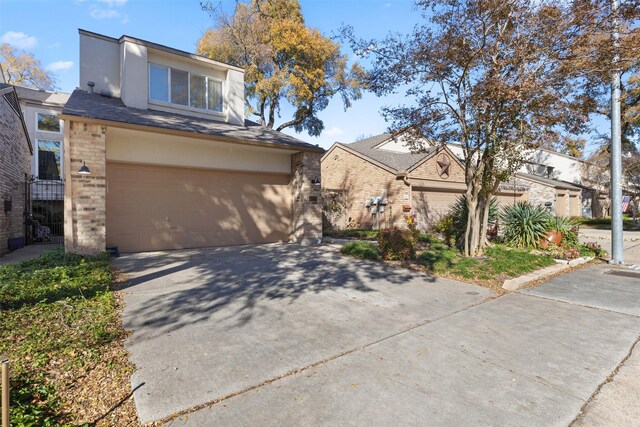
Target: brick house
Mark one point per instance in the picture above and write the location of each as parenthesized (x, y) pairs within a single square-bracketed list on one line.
[(172, 162), (15, 164), (424, 185)]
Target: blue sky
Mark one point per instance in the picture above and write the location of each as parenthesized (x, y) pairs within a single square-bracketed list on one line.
[(49, 29)]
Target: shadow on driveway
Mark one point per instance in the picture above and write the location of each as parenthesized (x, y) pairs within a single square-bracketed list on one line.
[(192, 286), (210, 322)]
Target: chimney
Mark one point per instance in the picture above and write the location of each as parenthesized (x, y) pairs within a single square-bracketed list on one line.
[(91, 86)]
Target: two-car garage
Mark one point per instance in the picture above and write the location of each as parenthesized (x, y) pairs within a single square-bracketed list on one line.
[(150, 207)]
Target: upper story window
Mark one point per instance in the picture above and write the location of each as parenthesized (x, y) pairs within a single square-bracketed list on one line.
[(183, 88), (48, 122), (48, 159)]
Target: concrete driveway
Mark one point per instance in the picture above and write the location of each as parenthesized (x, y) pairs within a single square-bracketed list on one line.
[(210, 323), (286, 335)]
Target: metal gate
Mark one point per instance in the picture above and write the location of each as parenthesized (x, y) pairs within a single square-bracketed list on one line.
[(44, 210)]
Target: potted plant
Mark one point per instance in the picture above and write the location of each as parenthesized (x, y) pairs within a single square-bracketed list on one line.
[(559, 227)]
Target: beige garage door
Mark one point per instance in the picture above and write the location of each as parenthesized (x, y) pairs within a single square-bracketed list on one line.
[(431, 205), (155, 207)]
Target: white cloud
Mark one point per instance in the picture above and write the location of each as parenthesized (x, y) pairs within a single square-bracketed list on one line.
[(112, 3), (98, 13), (334, 131), (19, 39), (55, 45), (60, 65), (387, 5)]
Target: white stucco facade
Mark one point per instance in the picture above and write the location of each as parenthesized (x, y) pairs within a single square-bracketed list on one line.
[(120, 68)]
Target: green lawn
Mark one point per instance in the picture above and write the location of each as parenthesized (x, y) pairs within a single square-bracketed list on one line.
[(499, 263), (62, 332)]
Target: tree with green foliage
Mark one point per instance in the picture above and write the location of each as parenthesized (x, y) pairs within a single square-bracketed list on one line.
[(284, 61), (484, 74), (23, 69)]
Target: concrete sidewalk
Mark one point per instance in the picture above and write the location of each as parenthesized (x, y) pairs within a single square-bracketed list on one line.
[(631, 242), (26, 253), (531, 358)]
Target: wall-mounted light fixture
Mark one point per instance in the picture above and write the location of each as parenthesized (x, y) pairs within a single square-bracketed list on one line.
[(315, 181), (84, 170)]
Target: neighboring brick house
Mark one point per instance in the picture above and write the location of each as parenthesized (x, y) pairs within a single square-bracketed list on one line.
[(423, 185), (173, 163), (15, 164)]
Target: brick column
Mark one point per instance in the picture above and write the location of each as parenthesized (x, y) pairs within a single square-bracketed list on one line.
[(307, 198), (84, 195)]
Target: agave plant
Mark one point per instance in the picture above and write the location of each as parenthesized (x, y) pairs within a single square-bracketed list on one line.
[(524, 224)]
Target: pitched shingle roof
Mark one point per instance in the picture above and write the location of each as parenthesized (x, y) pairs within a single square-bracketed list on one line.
[(393, 159), (550, 182), (94, 106)]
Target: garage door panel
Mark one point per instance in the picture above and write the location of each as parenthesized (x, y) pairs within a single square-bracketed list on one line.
[(155, 207), (432, 205)]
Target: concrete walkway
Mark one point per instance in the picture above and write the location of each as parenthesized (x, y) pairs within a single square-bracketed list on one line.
[(26, 253), (283, 335), (631, 242)]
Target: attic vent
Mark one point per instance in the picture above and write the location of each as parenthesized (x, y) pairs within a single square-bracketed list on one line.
[(12, 100)]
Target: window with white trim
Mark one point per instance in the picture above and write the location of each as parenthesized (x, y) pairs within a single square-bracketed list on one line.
[(48, 122), (175, 86)]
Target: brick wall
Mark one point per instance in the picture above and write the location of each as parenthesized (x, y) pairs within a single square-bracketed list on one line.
[(307, 198), (84, 195), (361, 180), (15, 163), (429, 169)]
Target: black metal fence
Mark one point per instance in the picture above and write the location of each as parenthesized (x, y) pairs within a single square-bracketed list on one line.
[(44, 223)]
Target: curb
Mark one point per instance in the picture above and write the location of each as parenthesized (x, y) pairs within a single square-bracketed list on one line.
[(535, 276)]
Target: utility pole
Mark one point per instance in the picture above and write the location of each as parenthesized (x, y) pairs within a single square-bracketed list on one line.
[(617, 248)]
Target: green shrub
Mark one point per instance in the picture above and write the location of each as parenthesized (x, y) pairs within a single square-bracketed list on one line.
[(445, 228), (396, 244), (570, 239), (563, 224), (363, 250)]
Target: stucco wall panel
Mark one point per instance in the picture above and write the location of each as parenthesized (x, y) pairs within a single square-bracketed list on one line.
[(134, 75), (100, 63), (131, 146)]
